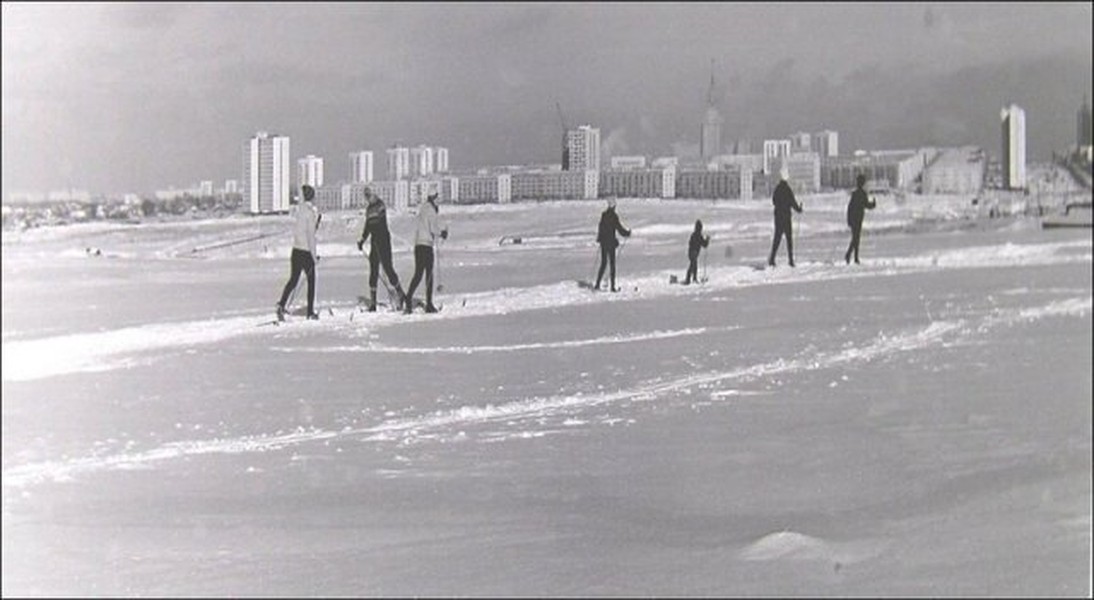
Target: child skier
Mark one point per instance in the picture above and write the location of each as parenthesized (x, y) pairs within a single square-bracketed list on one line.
[(697, 242)]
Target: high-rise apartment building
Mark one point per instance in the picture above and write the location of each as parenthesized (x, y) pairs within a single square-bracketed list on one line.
[(582, 149), (309, 171), (774, 149), (440, 159), (360, 166), (398, 163), (825, 143), (1014, 147), (801, 142), (266, 173), (421, 161)]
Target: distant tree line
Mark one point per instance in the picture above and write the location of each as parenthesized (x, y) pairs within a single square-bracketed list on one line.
[(25, 215)]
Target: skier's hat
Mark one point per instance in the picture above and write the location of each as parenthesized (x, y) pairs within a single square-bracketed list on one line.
[(611, 202)]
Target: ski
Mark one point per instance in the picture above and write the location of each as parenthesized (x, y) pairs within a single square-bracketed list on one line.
[(421, 304), (363, 303)]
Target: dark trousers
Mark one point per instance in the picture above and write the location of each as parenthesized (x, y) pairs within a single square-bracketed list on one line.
[(423, 263), (607, 257), (783, 227), (380, 255), (693, 269), (856, 236), (301, 261)]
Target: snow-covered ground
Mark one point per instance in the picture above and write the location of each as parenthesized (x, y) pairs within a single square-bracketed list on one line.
[(916, 425)]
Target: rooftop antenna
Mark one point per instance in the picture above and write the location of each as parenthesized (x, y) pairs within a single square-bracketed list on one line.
[(710, 92)]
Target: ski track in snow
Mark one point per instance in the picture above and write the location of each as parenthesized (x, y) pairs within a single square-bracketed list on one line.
[(615, 339), (25, 360), (448, 425)]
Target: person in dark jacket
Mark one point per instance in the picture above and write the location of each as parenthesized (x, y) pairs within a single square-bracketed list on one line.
[(609, 225), (379, 254), (695, 244), (784, 201), (856, 210)]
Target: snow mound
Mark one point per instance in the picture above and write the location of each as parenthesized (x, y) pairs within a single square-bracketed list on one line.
[(791, 545), (787, 545)]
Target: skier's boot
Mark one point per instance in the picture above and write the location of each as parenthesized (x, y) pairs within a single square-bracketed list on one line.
[(372, 300), (280, 313), (429, 308), (313, 316), (401, 295)]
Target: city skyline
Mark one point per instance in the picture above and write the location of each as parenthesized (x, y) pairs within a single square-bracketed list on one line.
[(94, 94)]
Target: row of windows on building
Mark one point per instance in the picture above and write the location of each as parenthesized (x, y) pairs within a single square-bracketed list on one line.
[(729, 183), (722, 177)]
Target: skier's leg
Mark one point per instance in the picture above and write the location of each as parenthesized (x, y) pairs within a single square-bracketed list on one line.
[(373, 277), (775, 243), (603, 264), (309, 270), (419, 268), (389, 269), (295, 265), (429, 278), (611, 266), (789, 241)]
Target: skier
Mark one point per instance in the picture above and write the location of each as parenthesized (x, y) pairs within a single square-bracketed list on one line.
[(425, 236), (379, 254), (784, 201), (856, 210), (697, 241), (609, 225), (304, 254)]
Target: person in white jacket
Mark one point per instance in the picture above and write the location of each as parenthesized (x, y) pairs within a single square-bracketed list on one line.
[(305, 224), (429, 228)]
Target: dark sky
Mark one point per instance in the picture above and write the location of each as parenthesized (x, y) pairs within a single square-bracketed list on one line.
[(137, 97)]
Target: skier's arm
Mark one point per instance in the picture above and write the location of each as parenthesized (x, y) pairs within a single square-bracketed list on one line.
[(706, 241), (622, 230), (794, 202)]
